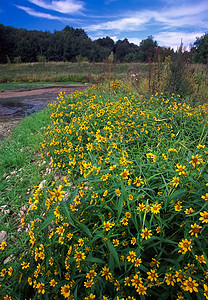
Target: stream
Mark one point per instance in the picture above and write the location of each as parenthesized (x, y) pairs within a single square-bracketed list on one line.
[(15, 105), (19, 107)]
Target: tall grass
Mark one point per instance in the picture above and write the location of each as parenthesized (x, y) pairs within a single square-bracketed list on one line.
[(188, 80)]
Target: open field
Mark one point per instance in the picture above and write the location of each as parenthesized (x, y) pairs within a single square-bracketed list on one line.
[(62, 71), (33, 85), (104, 195), (189, 80)]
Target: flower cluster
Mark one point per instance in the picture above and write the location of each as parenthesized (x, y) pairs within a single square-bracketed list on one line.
[(129, 216)]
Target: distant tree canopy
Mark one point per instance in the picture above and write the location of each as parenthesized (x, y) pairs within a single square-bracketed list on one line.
[(70, 44), (201, 49)]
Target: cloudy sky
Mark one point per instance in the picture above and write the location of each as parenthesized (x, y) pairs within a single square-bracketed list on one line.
[(168, 21)]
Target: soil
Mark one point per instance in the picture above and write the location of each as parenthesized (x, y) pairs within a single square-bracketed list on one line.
[(33, 92), (35, 98), (6, 126)]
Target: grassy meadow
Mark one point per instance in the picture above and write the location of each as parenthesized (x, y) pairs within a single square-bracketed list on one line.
[(104, 195), (33, 85), (189, 80), (62, 72)]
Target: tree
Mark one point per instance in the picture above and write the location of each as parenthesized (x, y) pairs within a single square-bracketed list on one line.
[(201, 49), (99, 54), (3, 46), (122, 48), (161, 53), (8, 41), (72, 43), (147, 50), (106, 42), (101, 49)]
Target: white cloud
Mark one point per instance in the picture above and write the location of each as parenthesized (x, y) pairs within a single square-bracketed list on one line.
[(124, 24), (173, 39), (34, 13), (62, 6), (184, 15), (135, 41), (115, 38), (175, 21), (174, 16), (101, 35)]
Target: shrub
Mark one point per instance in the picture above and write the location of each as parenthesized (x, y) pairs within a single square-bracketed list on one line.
[(128, 216), (41, 58), (81, 59), (17, 60)]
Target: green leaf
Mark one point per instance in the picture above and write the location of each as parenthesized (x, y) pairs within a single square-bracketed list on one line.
[(97, 235), (66, 210), (177, 194), (121, 201), (111, 262), (47, 221), (199, 295), (120, 207), (84, 228), (166, 185), (75, 292), (114, 253), (143, 268), (197, 212), (187, 295), (95, 260)]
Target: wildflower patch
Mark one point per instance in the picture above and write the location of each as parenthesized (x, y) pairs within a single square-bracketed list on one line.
[(129, 218)]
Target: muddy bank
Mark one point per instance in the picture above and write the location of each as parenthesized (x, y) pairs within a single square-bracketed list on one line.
[(46, 90), (16, 104)]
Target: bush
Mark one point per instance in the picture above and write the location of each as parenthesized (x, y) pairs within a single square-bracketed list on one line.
[(17, 60), (41, 58), (128, 215), (81, 59)]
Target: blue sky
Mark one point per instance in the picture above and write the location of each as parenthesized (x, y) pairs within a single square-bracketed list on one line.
[(168, 21)]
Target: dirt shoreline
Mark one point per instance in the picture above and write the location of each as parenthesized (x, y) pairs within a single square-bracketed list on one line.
[(7, 123), (40, 91)]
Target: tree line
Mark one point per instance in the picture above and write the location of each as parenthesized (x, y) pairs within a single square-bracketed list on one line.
[(73, 44)]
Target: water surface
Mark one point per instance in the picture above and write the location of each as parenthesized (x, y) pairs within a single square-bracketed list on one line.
[(15, 105), (19, 107)]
